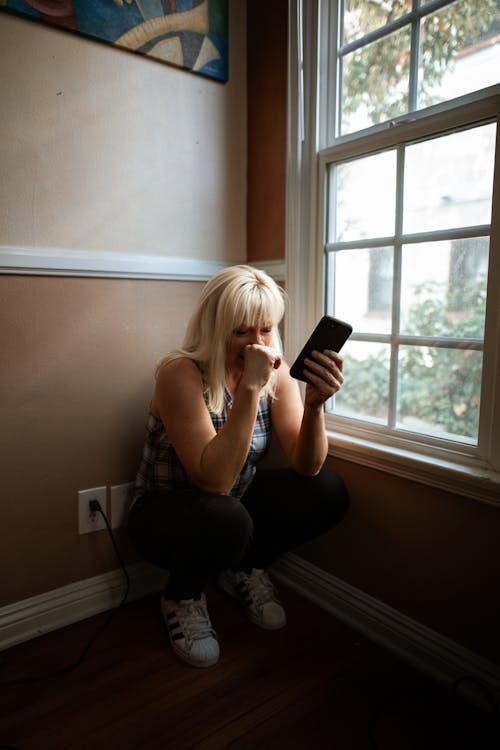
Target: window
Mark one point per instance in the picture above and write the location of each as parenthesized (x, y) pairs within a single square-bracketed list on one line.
[(398, 105), (417, 262)]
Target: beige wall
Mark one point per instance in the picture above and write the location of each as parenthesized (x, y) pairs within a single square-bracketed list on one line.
[(76, 373), (106, 150), (101, 150)]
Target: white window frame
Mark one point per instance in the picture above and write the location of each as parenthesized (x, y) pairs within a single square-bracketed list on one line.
[(446, 467)]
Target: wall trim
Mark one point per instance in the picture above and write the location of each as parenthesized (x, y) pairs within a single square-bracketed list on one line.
[(429, 652), (474, 479), (29, 618), (275, 268), (424, 649), (42, 261)]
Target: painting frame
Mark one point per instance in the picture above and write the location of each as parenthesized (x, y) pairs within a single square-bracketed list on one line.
[(188, 34)]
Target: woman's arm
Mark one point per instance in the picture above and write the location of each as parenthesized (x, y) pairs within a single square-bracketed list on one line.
[(212, 460), (300, 428)]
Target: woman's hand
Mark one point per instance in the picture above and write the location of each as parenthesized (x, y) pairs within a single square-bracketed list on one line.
[(325, 375), (260, 361)]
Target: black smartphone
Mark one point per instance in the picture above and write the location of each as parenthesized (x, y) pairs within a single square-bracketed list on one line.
[(330, 333)]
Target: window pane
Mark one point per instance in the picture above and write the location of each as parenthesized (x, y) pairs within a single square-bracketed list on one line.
[(363, 198), (439, 392), (365, 392), (458, 53), (375, 82), (361, 17), (448, 181), (360, 288), (443, 288)]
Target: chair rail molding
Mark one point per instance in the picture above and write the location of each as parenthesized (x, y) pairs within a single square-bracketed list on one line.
[(42, 261)]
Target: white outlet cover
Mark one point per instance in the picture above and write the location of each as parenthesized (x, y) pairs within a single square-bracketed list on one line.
[(121, 497), (97, 523)]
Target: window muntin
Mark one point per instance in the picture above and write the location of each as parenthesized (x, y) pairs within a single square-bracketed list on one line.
[(397, 57), (357, 22), (414, 362)]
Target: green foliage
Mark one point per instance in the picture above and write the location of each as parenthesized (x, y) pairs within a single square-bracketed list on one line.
[(438, 387), (456, 313), (443, 385), (366, 387), (377, 75)]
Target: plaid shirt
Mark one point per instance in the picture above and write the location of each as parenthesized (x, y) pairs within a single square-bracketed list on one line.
[(160, 468)]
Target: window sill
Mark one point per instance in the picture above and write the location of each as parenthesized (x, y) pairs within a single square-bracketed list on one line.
[(473, 480)]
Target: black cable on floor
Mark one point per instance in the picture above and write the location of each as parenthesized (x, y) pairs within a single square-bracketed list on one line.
[(90, 643)]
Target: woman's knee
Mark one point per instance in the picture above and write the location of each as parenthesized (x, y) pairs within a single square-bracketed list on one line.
[(331, 496), (227, 524)]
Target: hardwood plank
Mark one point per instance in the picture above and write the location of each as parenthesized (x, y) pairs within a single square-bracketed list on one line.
[(314, 684)]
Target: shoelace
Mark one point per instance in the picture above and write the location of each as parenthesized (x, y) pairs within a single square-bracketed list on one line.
[(194, 621), (260, 587)]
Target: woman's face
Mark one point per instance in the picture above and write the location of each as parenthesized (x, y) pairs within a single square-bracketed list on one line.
[(241, 337)]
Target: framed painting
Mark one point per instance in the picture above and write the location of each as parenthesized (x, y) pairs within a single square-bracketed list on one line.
[(191, 34)]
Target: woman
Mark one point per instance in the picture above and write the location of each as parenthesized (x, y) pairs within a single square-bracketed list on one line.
[(200, 507)]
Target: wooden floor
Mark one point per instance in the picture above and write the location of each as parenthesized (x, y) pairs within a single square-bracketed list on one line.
[(314, 685)]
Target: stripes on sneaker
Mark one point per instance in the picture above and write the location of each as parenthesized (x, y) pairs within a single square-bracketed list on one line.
[(190, 631), (174, 626)]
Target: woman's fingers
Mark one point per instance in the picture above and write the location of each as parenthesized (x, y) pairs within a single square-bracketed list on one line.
[(324, 375), (273, 355), (327, 367)]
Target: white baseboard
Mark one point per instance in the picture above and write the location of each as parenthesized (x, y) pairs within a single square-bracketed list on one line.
[(55, 609), (424, 649)]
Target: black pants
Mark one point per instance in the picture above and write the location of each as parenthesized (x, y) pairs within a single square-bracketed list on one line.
[(194, 534)]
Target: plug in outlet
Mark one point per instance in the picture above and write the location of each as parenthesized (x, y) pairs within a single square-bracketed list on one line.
[(89, 520), (121, 497)]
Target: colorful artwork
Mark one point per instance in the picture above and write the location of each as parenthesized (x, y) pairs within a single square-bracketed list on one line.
[(191, 34)]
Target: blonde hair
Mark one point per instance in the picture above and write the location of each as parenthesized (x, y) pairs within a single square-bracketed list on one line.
[(235, 296)]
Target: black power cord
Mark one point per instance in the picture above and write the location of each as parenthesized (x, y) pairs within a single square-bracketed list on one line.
[(94, 506)]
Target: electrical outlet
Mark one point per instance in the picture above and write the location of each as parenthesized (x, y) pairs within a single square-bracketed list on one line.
[(88, 520), (121, 497)]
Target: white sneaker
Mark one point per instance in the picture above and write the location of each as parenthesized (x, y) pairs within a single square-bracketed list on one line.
[(191, 634), (256, 593)]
